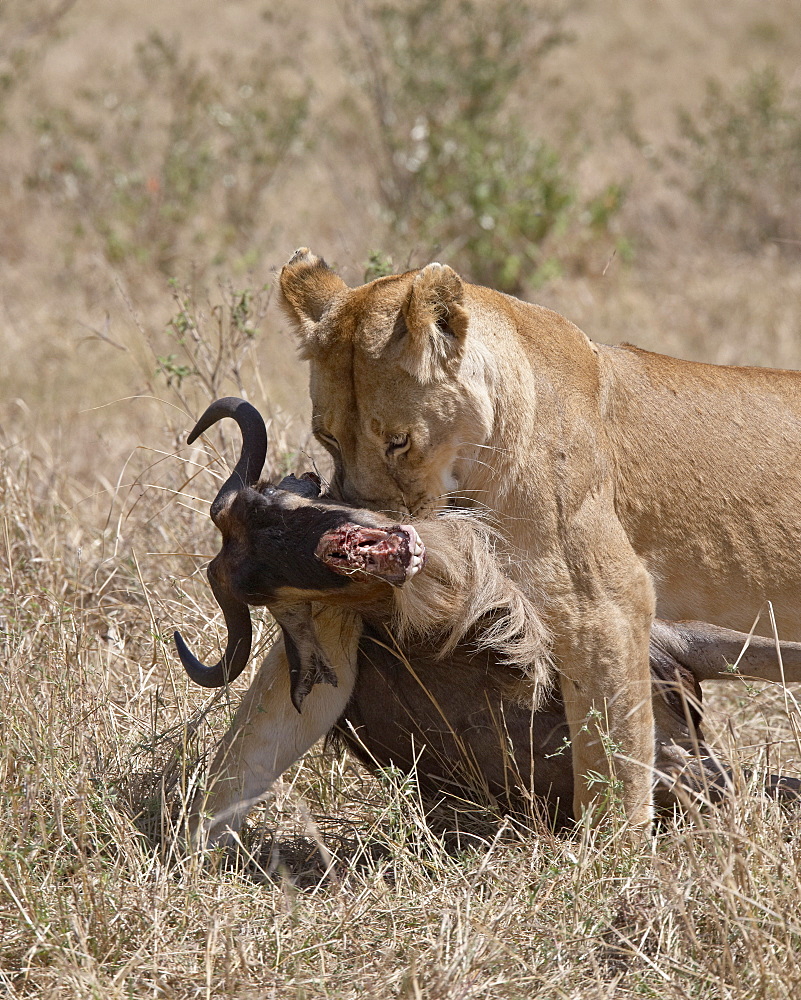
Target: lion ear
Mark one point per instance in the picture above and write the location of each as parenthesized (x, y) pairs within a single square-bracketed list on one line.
[(308, 286), (436, 323)]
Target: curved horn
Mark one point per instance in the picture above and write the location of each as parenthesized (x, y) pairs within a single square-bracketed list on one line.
[(254, 444), (237, 614), (237, 649)]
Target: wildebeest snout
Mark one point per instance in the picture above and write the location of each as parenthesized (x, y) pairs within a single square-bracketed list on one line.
[(285, 546)]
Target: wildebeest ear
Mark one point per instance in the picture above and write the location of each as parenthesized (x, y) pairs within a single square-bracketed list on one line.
[(308, 286), (436, 323)]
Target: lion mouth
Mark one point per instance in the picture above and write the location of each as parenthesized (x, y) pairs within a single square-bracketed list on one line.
[(394, 554)]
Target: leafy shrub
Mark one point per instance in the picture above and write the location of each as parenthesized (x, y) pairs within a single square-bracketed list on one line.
[(25, 33), (744, 154), (456, 169), (379, 265), (173, 159), (213, 341)]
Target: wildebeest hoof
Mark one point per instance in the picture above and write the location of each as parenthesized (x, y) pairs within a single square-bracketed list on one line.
[(393, 554), (307, 486), (303, 679)]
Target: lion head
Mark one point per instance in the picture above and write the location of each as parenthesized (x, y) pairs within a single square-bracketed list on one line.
[(399, 391)]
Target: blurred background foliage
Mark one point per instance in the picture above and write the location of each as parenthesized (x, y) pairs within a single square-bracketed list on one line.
[(743, 150), (457, 172), (639, 171)]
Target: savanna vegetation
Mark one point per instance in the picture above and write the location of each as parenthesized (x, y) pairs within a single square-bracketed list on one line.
[(635, 166)]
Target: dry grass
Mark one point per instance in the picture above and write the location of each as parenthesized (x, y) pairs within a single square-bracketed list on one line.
[(104, 534), (101, 735)]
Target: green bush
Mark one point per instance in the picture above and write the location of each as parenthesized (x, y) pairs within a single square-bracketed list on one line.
[(456, 170), (172, 159), (744, 153)]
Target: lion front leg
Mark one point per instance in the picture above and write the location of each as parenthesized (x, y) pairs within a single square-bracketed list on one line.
[(268, 734), (602, 652)]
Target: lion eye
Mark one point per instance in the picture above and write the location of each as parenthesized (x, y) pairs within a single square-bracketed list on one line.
[(398, 444)]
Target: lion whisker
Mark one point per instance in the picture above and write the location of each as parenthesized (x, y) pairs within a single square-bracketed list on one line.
[(488, 447)]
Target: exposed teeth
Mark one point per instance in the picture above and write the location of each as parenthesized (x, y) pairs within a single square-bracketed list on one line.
[(415, 544), (416, 551), (415, 565)]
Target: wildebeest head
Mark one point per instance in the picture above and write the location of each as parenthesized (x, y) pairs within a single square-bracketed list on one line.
[(284, 546)]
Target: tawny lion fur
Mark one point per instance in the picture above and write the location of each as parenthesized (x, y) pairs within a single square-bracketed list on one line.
[(625, 484)]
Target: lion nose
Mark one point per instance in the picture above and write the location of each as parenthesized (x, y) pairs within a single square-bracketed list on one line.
[(391, 506), (350, 492)]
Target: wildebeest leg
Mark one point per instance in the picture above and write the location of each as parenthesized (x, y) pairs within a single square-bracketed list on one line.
[(308, 663), (682, 655), (711, 652), (268, 735), (686, 768)]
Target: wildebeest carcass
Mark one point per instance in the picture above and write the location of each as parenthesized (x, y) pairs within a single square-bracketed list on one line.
[(414, 644)]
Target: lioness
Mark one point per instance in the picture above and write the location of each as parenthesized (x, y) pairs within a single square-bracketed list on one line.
[(626, 483)]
